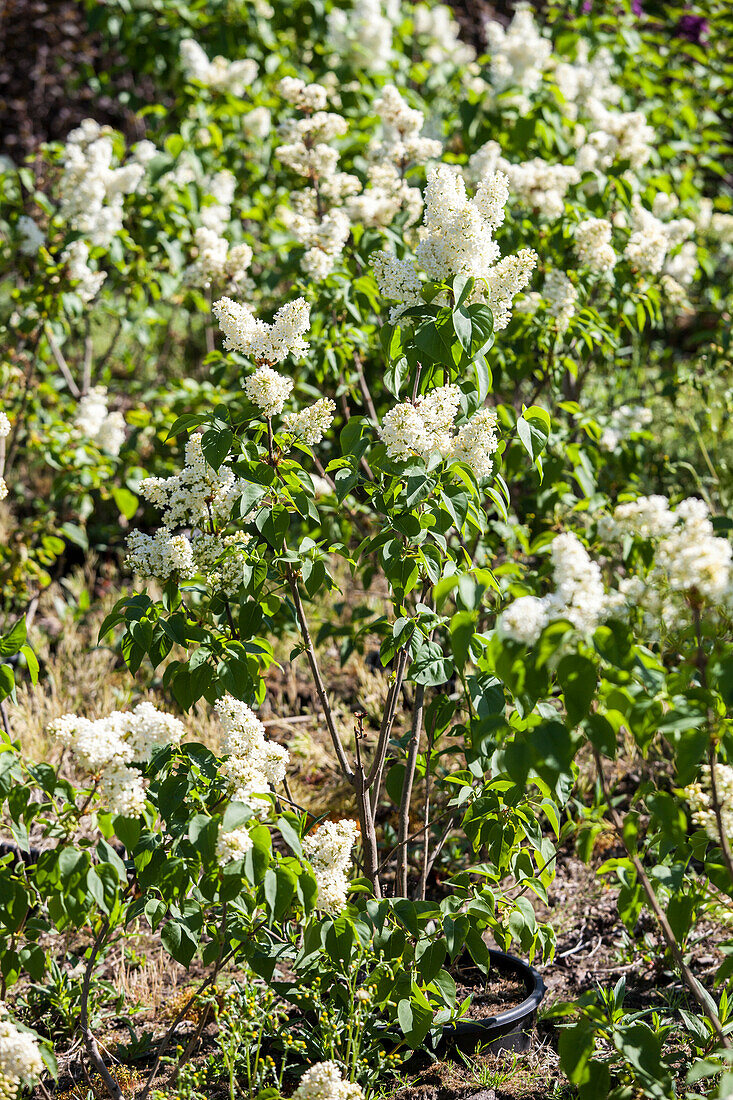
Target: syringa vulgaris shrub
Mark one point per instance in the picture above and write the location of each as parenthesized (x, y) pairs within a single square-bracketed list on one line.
[(498, 289)]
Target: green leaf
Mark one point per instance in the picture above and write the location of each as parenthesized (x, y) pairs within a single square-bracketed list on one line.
[(125, 500), (179, 942), (430, 666), (578, 678), (11, 643), (7, 681), (215, 446)]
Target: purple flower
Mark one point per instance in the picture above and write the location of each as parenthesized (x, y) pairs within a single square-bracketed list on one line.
[(636, 7), (587, 6), (692, 27)]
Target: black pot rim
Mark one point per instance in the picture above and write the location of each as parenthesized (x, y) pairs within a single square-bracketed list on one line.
[(521, 1012)]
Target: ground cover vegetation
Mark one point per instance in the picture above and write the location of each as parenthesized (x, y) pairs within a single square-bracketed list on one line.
[(366, 572)]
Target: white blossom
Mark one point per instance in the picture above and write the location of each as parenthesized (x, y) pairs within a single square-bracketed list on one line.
[(419, 428), (253, 764), (541, 185), (233, 845), (91, 188), (161, 554), (435, 23), (216, 262), (578, 595), (220, 74), (524, 619), (20, 1058), (268, 390), (593, 244), (561, 296), (94, 422), (457, 239), (310, 425), (263, 342), (699, 797), (31, 234), (88, 282), (324, 1081), (476, 442), (519, 53), (625, 421), (308, 97), (196, 495), (363, 34), (329, 850), (105, 747)]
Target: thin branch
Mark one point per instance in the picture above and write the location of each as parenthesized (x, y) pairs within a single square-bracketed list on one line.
[(60, 361), (346, 768), (166, 1040), (695, 987), (90, 1042), (86, 378), (426, 817), (390, 711), (366, 393), (407, 783)]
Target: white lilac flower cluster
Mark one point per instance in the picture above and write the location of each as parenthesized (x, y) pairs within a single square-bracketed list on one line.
[(578, 596), (610, 136), (716, 223), (593, 245), (220, 74), (258, 340), (317, 218), (88, 281), (625, 421), (401, 145), (363, 34), (197, 497), (20, 1057), (561, 297), (92, 190), (652, 239), (220, 560), (217, 191), (219, 264), (436, 25), (518, 53), (329, 850), (233, 845), (311, 424), (253, 764), (538, 183), (106, 747), (31, 235), (541, 185), (690, 565), (268, 390), (324, 1081), (587, 79), (457, 239), (95, 423), (426, 426), (699, 797)]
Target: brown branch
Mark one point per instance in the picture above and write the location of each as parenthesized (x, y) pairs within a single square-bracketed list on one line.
[(407, 784), (90, 1042), (346, 768), (695, 987)]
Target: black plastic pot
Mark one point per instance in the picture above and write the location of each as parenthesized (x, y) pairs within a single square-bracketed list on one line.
[(510, 1030)]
